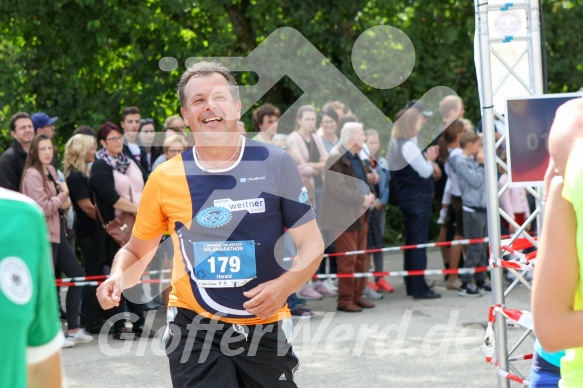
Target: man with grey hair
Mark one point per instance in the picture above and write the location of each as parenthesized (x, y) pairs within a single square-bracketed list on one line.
[(225, 203), (345, 202)]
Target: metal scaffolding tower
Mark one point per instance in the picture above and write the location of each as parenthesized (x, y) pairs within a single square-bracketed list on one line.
[(509, 63)]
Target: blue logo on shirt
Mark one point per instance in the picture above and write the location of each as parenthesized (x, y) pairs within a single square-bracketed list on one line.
[(213, 217), (303, 195), (242, 180)]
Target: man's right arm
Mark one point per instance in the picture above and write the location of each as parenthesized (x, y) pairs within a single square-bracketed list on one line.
[(128, 266)]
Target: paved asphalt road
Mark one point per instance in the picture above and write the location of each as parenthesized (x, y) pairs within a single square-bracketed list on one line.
[(399, 343)]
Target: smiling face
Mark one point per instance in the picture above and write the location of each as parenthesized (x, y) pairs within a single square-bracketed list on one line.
[(23, 131), (210, 108), (45, 152), (329, 125)]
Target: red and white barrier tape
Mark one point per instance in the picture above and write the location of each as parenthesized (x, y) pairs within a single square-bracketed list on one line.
[(512, 377), (522, 318), (103, 277), (523, 242), (402, 273), (91, 281), (521, 358), (98, 282), (469, 241)]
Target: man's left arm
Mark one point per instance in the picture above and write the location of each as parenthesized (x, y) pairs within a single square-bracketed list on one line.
[(267, 298)]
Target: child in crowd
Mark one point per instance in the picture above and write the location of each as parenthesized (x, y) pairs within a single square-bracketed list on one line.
[(469, 169), (451, 211), (377, 217)]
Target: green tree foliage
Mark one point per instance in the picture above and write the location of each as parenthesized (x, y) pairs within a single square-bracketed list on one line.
[(85, 59)]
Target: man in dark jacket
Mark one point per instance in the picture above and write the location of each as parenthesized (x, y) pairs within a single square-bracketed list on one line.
[(130, 122), (13, 159), (345, 201)]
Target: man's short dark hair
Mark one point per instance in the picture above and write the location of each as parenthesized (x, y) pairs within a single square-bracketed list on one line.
[(205, 68), (84, 130), (263, 111), (130, 110), (19, 115)]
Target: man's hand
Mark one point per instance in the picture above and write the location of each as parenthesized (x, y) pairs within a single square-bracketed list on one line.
[(432, 153), (266, 299), (368, 200), (109, 292), (480, 156)]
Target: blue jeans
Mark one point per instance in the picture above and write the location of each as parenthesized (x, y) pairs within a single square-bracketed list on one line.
[(416, 217)]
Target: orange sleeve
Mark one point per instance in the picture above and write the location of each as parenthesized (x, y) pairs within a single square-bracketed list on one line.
[(150, 220)]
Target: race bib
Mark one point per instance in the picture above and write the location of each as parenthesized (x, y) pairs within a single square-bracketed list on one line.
[(224, 264)]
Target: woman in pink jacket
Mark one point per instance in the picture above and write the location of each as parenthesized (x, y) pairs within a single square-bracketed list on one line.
[(40, 183)]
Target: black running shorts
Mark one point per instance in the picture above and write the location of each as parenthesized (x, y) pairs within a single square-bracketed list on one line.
[(211, 353)]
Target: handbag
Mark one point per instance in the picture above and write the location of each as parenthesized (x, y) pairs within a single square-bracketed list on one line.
[(120, 228)]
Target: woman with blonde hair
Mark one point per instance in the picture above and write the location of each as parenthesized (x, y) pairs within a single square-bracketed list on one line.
[(173, 145), (79, 154)]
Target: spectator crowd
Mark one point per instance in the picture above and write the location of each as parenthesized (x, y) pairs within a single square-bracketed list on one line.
[(349, 176)]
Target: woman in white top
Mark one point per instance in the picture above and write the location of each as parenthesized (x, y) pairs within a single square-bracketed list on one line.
[(412, 170), (311, 150)]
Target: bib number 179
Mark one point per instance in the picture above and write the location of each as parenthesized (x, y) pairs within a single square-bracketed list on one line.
[(221, 262)]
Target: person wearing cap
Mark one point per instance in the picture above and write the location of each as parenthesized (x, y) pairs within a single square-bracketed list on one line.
[(12, 160), (43, 124)]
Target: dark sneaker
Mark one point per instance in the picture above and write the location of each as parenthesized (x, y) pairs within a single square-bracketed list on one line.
[(484, 286), (470, 290), (301, 313)]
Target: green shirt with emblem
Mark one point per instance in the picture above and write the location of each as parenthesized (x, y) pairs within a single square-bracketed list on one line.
[(30, 330)]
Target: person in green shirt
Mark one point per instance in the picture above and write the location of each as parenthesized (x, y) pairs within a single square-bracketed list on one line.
[(557, 299), (30, 329)]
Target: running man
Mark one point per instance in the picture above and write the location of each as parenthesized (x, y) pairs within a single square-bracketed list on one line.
[(226, 203)]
